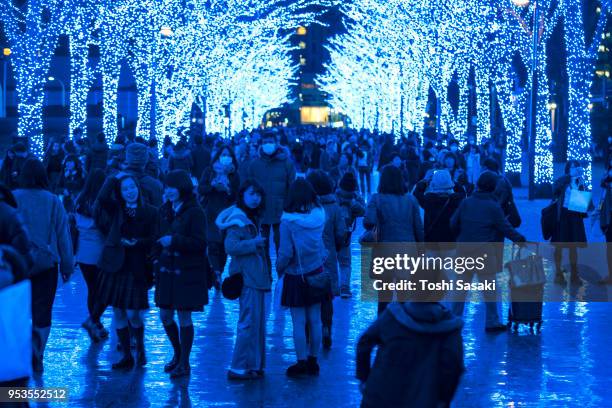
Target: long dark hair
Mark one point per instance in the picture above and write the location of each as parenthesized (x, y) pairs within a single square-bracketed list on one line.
[(391, 181), (33, 175), (302, 197), (220, 151), (87, 197), (252, 213)]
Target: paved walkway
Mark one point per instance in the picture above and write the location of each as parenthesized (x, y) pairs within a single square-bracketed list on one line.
[(568, 364)]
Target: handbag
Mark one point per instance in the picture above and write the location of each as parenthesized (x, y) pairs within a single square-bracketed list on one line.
[(43, 258), (15, 331), (527, 271), (549, 220), (231, 288), (318, 281)]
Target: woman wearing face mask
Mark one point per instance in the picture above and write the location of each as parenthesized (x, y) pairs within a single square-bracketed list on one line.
[(71, 181), (126, 275), (181, 267), (570, 232), (53, 161), (243, 241), (217, 190)]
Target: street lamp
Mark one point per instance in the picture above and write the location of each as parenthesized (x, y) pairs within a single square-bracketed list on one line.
[(533, 96), (63, 89)]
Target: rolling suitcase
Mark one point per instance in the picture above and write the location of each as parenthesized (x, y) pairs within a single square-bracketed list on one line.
[(527, 279)]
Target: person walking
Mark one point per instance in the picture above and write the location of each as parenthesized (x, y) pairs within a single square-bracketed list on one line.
[(480, 219), (246, 246), (126, 272), (419, 361), (181, 268), (300, 260), (274, 171), (46, 223), (353, 206), (89, 246), (394, 213), (569, 233), (217, 190), (334, 236)]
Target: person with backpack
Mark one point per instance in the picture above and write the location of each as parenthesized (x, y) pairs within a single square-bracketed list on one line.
[(353, 206)]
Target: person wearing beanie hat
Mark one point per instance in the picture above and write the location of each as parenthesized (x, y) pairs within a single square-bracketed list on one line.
[(334, 236), (182, 267), (136, 156), (437, 197), (480, 219), (353, 206)]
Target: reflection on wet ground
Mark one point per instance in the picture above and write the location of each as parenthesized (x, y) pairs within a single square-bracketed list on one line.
[(566, 365)]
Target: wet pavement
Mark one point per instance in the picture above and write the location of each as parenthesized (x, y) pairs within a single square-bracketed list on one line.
[(568, 364)]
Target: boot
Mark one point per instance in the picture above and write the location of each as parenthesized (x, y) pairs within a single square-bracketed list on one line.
[(300, 369), (312, 366), (127, 362), (574, 277), (92, 330), (40, 335), (183, 369), (141, 358), (102, 332), (559, 278), (172, 332)]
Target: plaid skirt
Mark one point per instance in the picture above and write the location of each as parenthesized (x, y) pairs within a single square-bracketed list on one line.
[(122, 291)]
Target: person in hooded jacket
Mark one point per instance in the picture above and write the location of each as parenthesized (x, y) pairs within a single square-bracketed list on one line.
[(217, 189), (246, 246), (353, 206), (419, 361), (334, 236), (274, 171), (301, 257), (182, 268)]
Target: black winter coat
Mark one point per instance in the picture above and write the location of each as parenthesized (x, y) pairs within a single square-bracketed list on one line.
[(419, 360), (438, 208), (201, 156), (181, 270), (214, 201), (570, 227), (143, 227)]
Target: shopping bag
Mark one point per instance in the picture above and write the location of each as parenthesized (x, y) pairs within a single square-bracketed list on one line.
[(526, 271), (15, 331), (579, 201)]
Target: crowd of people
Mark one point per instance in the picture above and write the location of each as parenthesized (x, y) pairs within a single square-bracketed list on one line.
[(136, 216)]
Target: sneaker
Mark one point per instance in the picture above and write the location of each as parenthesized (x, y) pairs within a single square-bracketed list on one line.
[(312, 365), (298, 370), (181, 371)]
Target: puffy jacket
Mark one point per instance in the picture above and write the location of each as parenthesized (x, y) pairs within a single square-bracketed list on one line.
[(301, 235), (246, 257), (274, 173), (419, 360), (397, 217)]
